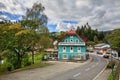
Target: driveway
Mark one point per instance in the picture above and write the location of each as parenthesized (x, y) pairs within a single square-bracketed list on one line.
[(43, 73)]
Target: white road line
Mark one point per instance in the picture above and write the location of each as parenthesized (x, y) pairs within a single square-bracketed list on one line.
[(93, 66), (76, 75), (87, 69), (96, 63)]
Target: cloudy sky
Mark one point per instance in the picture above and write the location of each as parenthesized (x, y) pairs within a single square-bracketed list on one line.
[(68, 14)]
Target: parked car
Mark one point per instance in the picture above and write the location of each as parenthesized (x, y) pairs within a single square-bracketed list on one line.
[(99, 53), (106, 55)]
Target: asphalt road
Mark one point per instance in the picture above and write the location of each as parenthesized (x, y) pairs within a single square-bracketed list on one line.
[(61, 71), (85, 72)]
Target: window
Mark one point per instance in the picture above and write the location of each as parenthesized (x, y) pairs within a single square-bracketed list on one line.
[(64, 49), (71, 49), (76, 41), (66, 40), (71, 40), (79, 49), (71, 36)]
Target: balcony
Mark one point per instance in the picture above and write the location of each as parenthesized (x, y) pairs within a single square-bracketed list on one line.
[(72, 43)]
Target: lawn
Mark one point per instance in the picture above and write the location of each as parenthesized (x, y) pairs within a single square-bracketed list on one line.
[(110, 77), (37, 64)]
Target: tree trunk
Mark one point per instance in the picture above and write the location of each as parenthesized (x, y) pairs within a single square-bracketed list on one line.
[(32, 57), (19, 60)]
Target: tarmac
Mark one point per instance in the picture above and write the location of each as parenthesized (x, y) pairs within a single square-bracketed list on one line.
[(104, 75)]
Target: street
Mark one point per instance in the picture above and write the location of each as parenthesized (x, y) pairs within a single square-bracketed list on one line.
[(62, 71), (86, 72)]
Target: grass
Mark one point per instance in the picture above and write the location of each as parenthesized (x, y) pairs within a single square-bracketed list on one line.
[(38, 63), (33, 66), (37, 57), (110, 77)]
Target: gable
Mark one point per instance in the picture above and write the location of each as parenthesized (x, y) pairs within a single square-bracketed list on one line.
[(72, 38)]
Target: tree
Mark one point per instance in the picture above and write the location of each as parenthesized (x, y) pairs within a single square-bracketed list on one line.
[(95, 39), (88, 32), (21, 44), (36, 20), (113, 39)]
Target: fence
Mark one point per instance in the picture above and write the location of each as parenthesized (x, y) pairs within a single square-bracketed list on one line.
[(117, 71)]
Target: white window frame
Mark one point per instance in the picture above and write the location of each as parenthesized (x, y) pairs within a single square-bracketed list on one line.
[(71, 48), (64, 49), (79, 49), (71, 36)]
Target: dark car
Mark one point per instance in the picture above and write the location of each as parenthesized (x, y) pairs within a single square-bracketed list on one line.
[(106, 56), (99, 53)]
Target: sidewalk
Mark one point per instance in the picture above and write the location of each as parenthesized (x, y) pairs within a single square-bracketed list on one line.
[(104, 75)]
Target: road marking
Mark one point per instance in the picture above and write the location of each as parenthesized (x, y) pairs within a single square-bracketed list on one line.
[(87, 69), (96, 63), (76, 75), (93, 66)]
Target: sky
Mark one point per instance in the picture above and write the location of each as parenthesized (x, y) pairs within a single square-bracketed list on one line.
[(64, 15)]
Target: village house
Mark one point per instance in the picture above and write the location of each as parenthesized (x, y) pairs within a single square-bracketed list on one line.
[(71, 46)]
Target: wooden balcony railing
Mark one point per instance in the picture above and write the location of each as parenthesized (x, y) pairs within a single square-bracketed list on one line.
[(72, 43)]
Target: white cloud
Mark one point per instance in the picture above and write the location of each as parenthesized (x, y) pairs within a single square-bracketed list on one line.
[(65, 26), (16, 6), (100, 14)]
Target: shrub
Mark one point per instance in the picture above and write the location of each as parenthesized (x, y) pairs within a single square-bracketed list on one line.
[(111, 64), (6, 67), (11, 58), (9, 67), (25, 61), (3, 68)]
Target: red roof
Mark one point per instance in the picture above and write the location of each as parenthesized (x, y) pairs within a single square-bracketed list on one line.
[(71, 32), (85, 39)]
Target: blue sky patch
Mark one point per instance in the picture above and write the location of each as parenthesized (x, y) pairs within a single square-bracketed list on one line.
[(10, 16), (70, 21)]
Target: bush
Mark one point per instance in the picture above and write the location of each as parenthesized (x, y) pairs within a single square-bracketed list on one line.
[(111, 64), (39, 57), (11, 58), (3, 68), (25, 61), (6, 67), (9, 67)]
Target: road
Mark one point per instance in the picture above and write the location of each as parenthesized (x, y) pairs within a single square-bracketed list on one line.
[(61, 71), (85, 72)]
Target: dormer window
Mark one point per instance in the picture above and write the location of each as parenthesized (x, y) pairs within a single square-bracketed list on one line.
[(71, 36), (71, 40)]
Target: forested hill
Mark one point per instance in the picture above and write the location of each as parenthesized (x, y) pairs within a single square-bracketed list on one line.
[(85, 31), (90, 33)]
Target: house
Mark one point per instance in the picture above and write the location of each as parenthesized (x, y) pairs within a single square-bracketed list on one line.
[(102, 48), (71, 46), (52, 53)]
